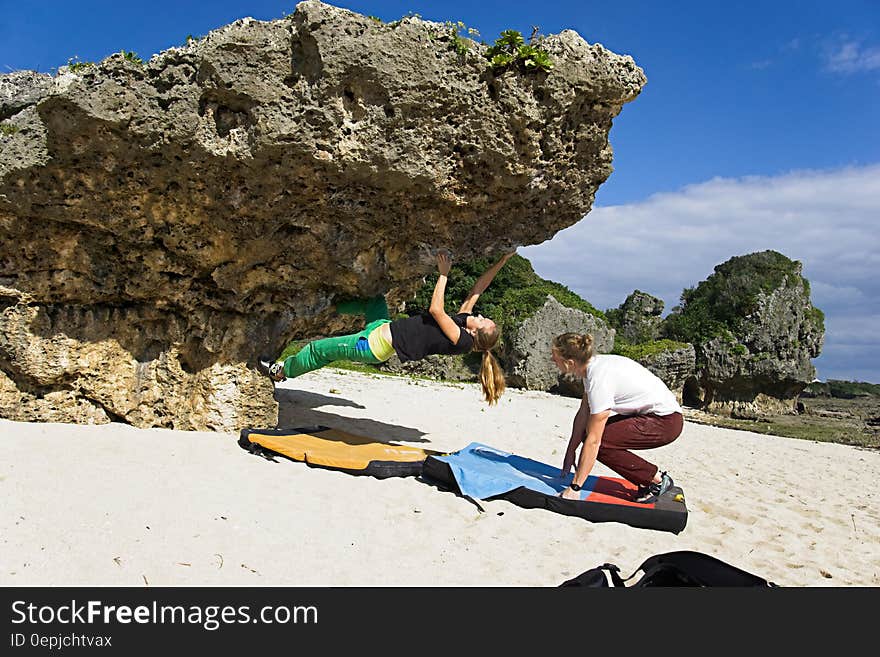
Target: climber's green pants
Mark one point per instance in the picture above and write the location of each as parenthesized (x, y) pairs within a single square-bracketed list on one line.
[(354, 347)]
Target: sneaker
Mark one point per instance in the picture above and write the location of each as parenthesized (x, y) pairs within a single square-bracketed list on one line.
[(650, 493), (274, 371)]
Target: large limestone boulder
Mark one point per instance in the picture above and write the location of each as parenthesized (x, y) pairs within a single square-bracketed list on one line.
[(162, 223), (755, 332)]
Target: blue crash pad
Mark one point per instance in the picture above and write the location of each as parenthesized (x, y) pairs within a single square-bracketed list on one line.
[(482, 472)]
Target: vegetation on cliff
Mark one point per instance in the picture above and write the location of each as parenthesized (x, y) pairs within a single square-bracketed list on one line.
[(719, 305), (645, 349)]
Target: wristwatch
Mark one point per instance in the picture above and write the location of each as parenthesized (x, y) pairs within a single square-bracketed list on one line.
[(574, 486)]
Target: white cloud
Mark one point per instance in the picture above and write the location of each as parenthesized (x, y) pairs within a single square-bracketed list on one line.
[(846, 55), (854, 331), (824, 294), (828, 220)]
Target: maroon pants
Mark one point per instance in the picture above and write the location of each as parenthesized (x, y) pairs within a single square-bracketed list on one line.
[(625, 432)]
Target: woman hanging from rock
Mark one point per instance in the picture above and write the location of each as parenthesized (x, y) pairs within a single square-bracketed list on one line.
[(411, 338), (625, 407)]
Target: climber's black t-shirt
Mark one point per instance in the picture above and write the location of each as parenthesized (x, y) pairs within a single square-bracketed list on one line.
[(418, 336)]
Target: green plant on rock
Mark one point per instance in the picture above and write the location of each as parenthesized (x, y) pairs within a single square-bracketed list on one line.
[(512, 51), (74, 65), (614, 317), (533, 58), (645, 349), (817, 317), (7, 129), (131, 56), (460, 42)]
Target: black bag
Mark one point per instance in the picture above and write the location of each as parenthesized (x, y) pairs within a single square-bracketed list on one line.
[(682, 568)]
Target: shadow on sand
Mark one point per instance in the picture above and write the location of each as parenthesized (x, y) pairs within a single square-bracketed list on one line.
[(296, 408)]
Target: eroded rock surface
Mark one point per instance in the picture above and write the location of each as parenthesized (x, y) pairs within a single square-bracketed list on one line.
[(760, 331), (527, 356), (163, 223), (673, 366)]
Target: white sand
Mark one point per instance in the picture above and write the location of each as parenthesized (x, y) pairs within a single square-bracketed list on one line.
[(113, 505)]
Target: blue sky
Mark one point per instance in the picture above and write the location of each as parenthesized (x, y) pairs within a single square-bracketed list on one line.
[(758, 129)]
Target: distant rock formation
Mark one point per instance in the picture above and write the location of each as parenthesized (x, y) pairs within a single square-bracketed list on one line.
[(674, 366), (638, 323), (638, 318), (527, 355), (755, 331), (442, 368), (162, 223)]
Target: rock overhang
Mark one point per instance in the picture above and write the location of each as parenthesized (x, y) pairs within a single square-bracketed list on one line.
[(221, 197)]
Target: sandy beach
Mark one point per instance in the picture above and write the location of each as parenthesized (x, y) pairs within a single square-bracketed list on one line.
[(112, 505)]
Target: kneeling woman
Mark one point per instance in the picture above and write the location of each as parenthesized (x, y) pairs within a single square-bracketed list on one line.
[(411, 338), (625, 407)]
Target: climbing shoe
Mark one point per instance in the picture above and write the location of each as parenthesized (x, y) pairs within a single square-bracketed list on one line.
[(273, 370), (650, 493)]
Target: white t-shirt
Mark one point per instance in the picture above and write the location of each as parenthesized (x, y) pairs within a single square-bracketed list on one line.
[(625, 387)]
